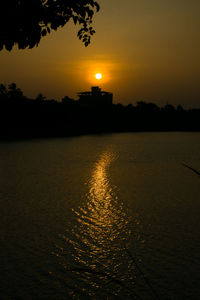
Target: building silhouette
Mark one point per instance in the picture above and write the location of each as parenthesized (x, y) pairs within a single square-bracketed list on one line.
[(95, 98)]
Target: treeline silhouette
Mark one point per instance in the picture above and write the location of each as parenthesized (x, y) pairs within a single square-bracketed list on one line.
[(22, 117)]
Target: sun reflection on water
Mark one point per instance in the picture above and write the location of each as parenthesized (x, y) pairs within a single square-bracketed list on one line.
[(103, 219), (97, 241), (101, 230)]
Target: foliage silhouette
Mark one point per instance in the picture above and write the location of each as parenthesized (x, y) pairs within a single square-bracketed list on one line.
[(24, 22)]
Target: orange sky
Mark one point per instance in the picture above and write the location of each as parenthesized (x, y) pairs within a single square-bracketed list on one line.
[(145, 50)]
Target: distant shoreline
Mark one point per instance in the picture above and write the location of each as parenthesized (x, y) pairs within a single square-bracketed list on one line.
[(21, 137)]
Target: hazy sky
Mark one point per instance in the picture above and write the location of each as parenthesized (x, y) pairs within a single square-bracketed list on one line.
[(145, 49)]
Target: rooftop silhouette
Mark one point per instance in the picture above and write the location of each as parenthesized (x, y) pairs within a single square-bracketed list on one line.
[(95, 97)]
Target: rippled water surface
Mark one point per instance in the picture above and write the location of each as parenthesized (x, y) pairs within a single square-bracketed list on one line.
[(100, 217)]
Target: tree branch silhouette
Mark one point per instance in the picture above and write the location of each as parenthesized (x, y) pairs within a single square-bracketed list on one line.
[(25, 22)]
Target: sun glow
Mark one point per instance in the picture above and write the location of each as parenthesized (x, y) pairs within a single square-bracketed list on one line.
[(98, 71), (98, 76)]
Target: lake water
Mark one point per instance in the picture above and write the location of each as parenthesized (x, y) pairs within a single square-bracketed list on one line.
[(100, 217)]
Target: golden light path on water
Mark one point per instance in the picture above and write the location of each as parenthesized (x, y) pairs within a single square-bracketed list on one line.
[(102, 219), (98, 239), (100, 235)]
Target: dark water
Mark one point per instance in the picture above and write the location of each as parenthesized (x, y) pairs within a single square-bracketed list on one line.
[(100, 217)]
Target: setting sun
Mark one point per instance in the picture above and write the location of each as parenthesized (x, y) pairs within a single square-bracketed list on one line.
[(98, 76), (98, 71)]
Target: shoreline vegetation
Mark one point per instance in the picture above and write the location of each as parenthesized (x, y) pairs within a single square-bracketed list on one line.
[(23, 117)]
